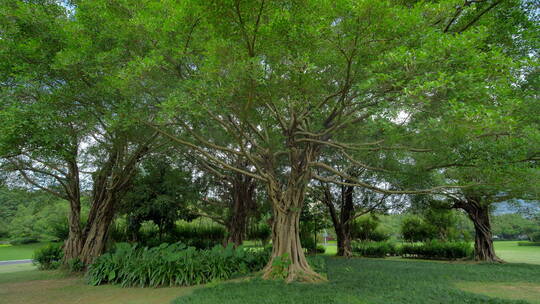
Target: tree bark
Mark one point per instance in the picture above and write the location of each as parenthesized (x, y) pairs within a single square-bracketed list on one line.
[(73, 244), (483, 240), (288, 260), (97, 228), (243, 204), (342, 222)]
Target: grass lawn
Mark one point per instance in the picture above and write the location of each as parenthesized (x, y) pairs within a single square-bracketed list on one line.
[(18, 252), (360, 280)]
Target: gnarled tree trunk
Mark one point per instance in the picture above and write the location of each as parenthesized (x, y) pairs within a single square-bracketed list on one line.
[(483, 240), (97, 228), (73, 244), (288, 260)]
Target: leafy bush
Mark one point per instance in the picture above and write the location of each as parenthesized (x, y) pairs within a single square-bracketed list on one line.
[(414, 229), (48, 257), (437, 250), (76, 265), (174, 264), (23, 240), (261, 232), (320, 249), (373, 249), (528, 243), (366, 228), (308, 242), (535, 236), (190, 234)]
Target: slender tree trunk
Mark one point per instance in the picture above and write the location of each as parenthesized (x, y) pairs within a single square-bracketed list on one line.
[(342, 222), (483, 241), (73, 244), (288, 260)]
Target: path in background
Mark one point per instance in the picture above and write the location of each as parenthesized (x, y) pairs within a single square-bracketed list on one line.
[(14, 262)]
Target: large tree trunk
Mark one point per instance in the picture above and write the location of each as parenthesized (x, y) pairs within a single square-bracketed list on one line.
[(288, 260), (483, 241), (243, 204), (97, 228)]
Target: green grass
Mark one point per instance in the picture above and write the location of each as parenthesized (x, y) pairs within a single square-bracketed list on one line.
[(374, 281), (512, 253), (19, 252)]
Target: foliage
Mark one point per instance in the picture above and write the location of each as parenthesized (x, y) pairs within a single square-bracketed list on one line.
[(75, 265), (374, 249), (355, 281), (512, 226), (367, 228), (280, 266), (528, 243), (437, 250), (535, 237), (260, 232), (160, 193), (23, 240), (174, 264), (48, 257), (414, 229)]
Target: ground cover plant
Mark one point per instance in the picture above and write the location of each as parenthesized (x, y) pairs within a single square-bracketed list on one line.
[(173, 264)]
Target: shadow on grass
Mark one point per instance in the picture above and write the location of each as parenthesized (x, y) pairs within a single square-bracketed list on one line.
[(357, 280)]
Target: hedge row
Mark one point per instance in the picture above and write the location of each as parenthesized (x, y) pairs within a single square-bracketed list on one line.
[(437, 250), (428, 250), (528, 243)]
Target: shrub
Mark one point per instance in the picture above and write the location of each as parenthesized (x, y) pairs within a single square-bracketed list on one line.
[(366, 228), (75, 265), (261, 232), (174, 264), (528, 243), (23, 240), (535, 236), (373, 249), (48, 257), (320, 249), (437, 250), (308, 242), (414, 229)]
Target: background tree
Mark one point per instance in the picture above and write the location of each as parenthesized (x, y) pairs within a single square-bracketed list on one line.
[(161, 193)]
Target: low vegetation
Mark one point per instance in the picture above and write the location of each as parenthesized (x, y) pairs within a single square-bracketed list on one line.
[(173, 265), (437, 250)]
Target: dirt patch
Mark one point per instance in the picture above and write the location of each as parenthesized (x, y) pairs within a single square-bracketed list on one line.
[(76, 291)]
